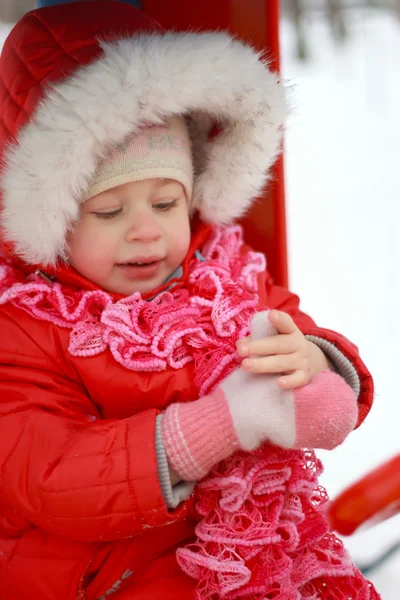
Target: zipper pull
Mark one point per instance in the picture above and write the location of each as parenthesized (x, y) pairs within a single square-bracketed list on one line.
[(81, 595), (49, 278)]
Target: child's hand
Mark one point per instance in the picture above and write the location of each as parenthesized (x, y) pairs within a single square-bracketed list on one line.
[(288, 353)]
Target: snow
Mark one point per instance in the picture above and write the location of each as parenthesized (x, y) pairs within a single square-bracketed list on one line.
[(342, 182), (342, 190), (4, 30)]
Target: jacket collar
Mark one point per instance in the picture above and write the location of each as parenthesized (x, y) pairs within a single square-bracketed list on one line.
[(67, 275)]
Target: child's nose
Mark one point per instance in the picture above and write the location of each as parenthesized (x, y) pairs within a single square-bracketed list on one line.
[(145, 229)]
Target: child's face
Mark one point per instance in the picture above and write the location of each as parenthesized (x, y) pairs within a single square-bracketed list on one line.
[(132, 237)]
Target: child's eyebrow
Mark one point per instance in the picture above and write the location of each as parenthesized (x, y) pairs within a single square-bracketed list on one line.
[(166, 185)]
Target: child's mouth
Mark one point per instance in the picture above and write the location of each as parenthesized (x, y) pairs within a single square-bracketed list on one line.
[(140, 268)]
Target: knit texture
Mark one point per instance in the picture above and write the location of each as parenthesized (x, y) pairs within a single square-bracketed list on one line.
[(199, 323), (263, 533), (162, 151), (326, 412), (341, 364), (198, 435)]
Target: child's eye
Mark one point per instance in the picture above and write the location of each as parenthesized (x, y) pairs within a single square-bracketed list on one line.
[(108, 215), (165, 205)]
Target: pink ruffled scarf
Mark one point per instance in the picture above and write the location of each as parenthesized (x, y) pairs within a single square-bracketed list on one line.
[(262, 531)]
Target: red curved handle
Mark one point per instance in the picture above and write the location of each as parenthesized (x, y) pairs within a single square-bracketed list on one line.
[(370, 500)]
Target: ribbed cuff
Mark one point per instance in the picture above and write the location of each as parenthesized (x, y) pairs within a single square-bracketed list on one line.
[(173, 496), (199, 434), (342, 364)]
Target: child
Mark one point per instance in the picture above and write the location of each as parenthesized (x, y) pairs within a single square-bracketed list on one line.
[(123, 294)]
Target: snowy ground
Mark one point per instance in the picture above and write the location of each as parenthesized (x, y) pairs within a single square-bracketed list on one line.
[(343, 181)]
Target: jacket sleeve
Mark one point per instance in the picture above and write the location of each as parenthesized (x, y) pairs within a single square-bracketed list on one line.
[(63, 468), (339, 350)]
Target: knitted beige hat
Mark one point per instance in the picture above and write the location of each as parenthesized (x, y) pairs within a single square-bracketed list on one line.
[(160, 151)]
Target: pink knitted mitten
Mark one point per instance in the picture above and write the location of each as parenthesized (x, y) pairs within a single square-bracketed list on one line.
[(247, 409), (318, 415)]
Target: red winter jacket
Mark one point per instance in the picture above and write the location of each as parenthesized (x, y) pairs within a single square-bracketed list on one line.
[(78, 494), (81, 510)]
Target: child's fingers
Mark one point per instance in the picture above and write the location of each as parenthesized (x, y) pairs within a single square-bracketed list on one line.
[(282, 363), (277, 344), (293, 381), (282, 321)]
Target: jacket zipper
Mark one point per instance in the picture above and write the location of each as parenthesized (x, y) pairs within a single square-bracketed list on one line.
[(81, 592)]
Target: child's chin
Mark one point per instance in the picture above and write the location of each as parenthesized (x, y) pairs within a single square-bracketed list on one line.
[(141, 287)]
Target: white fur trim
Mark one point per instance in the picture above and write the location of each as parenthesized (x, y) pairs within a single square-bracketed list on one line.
[(141, 80)]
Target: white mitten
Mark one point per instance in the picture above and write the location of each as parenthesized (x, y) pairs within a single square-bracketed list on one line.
[(260, 409)]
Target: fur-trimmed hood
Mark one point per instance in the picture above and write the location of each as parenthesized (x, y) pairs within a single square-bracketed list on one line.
[(95, 72)]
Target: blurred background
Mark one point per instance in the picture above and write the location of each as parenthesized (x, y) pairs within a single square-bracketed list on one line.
[(340, 60), (341, 63)]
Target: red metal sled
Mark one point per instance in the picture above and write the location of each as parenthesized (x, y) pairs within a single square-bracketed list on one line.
[(370, 500)]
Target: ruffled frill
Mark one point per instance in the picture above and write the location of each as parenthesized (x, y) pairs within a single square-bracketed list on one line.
[(200, 322), (263, 533)]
